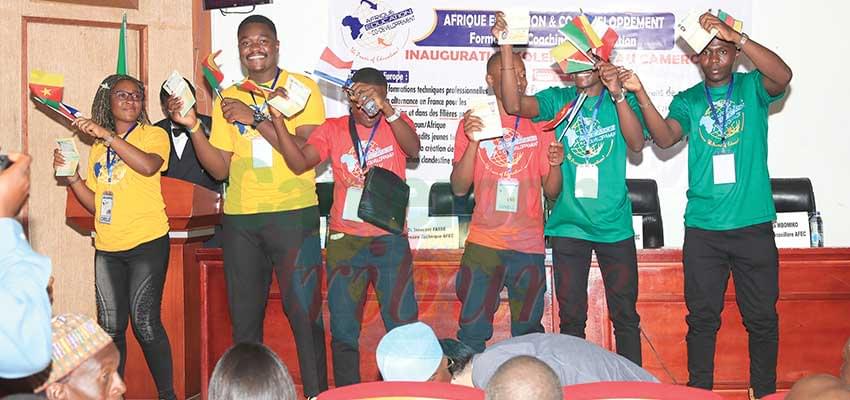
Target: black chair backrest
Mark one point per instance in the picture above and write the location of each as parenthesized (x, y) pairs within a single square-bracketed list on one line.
[(325, 191), (793, 194), (643, 193), (443, 203)]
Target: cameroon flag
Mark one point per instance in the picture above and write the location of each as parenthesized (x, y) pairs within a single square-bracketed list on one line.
[(584, 25), (570, 59), (212, 72), (45, 85), (736, 24)]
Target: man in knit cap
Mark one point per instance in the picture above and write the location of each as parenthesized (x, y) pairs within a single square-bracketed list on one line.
[(84, 363), (412, 353)]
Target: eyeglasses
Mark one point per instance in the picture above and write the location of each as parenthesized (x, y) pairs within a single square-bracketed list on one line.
[(123, 95)]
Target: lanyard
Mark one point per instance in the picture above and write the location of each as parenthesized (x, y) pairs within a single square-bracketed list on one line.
[(723, 132), (509, 151), (365, 150), (256, 106), (585, 130), (112, 158)]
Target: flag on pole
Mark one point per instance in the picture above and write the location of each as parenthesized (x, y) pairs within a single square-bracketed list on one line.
[(252, 87), (736, 24), (212, 72), (70, 113), (333, 69), (584, 26), (607, 35), (122, 48), (576, 36), (570, 59), (45, 85)]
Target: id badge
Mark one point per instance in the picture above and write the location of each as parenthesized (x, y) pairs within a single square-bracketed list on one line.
[(106, 203), (724, 168), (507, 195), (352, 204), (261, 152), (587, 181)]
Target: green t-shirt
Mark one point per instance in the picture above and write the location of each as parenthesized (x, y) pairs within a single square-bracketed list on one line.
[(607, 218), (748, 201)]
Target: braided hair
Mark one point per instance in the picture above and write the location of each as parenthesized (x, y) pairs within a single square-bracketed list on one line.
[(101, 108)]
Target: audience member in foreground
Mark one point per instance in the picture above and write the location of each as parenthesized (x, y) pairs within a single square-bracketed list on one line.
[(24, 275), (412, 353), (823, 386), (251, 371), (524, 377), (573, 359), (85, 361)]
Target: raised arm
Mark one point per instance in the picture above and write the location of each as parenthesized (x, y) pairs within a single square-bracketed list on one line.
[(214, 161), (463, 170), (630, 125), (665, 133), (514, 102), (776, 74)]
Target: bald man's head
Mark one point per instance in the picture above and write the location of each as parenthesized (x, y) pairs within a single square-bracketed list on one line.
[(522, 378)]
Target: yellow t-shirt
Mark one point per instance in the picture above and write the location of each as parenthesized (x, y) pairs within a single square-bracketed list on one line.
[(257, 190), (138, 210)]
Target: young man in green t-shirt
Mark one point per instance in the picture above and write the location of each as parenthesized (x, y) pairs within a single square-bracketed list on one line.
[(593, 211), (730, 206)]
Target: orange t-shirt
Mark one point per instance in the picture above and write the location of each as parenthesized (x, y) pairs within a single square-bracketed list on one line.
[(521, 230)]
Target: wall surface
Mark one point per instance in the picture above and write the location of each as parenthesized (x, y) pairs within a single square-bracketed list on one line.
[(80, 42)]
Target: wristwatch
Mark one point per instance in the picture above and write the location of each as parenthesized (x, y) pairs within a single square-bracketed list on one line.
[(396, 115), (620, 97), (742, 41), (259, 117)]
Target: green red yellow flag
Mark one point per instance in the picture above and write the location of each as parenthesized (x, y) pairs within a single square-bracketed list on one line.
[(736, 24), (570, 59), (212, 72), (46, 85)]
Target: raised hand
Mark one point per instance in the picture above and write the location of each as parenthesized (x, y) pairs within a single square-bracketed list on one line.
[(237, 111), (724, 32), (610, 77), (471, 124), (91, 128), (173, 106), (500, 27), (630, 80), (362, 92), (279, 92)]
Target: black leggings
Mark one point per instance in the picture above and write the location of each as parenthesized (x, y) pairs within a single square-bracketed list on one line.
[(129, 286)]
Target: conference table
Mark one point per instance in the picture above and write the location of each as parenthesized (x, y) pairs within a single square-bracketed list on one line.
[(814, 306)]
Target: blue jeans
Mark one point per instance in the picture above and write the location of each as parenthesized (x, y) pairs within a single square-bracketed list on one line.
[(353, 263), (483, 273)]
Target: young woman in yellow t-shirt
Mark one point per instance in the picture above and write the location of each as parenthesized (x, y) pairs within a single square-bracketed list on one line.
[(123, 193)]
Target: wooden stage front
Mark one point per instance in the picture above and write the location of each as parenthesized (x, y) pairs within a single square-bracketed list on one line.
[(814, 306)]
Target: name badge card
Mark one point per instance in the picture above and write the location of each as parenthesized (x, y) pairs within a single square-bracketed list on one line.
[(724, 168), (298, 95), (352, 204), (507, 195), (587, 181), (106, 203), (261, 152)]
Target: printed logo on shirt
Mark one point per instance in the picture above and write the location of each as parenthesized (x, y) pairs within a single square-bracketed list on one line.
[(119, 170), (588, 142), (494, 153), (712, 133), (376, 156)]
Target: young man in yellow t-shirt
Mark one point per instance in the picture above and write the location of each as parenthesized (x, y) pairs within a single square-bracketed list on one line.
[(271, 220)]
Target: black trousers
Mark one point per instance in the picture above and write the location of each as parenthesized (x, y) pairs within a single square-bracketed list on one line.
[(128, 286), (287, 243), (618, 264), (750, 254)]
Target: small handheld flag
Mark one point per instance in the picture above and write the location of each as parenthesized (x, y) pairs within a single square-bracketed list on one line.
[(213, 72)]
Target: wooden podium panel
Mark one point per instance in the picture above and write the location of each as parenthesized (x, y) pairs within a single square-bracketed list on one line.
[(814, 300)]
